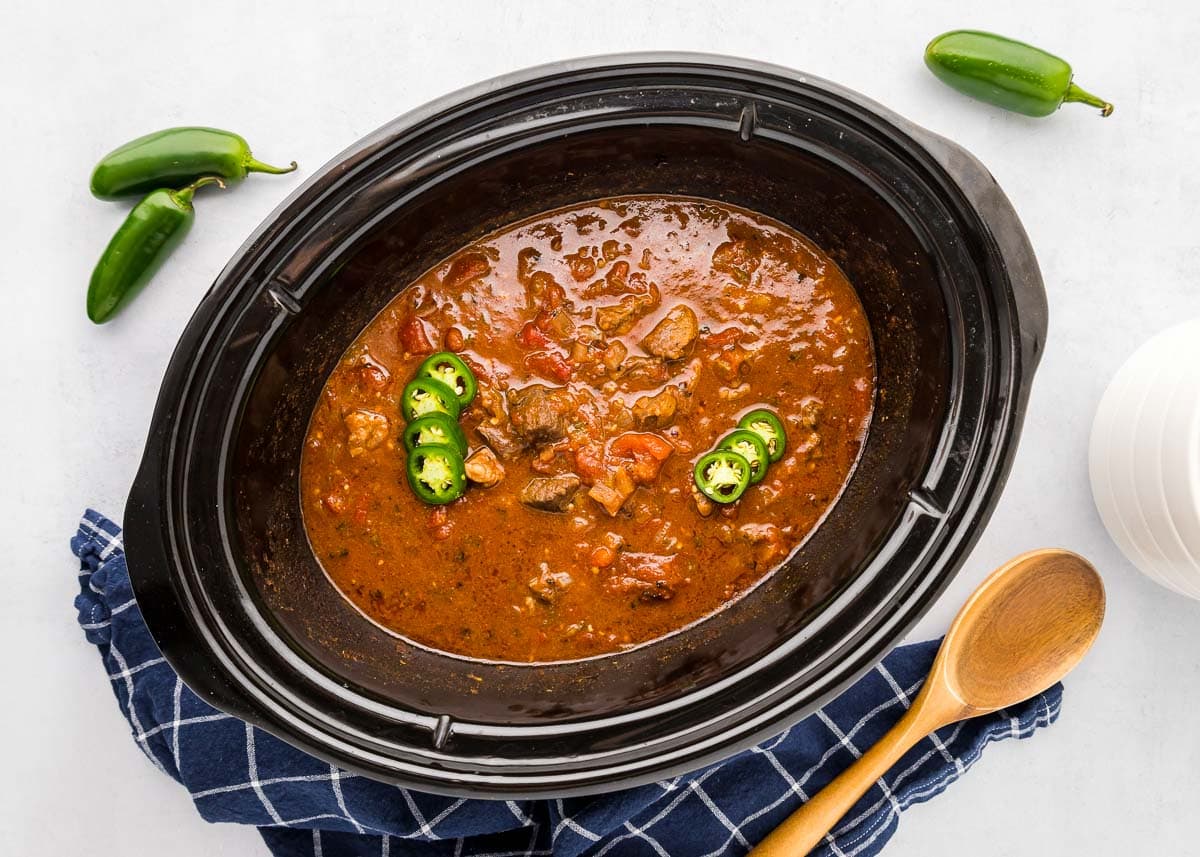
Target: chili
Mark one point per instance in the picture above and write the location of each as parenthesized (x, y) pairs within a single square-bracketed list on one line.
[(435, 429), (1007, 73), (722, 475), (174, 158), (766, 425), (452, 371), (581, 530), (427, 396), (152, 230), (436, 474), (750, 446)]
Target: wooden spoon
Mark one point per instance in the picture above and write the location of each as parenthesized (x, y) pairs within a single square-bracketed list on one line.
[(1025, 628)]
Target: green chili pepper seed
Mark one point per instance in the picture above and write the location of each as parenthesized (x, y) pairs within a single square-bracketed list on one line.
[(768, 426), (452, 371), (174, 158), (750, 446), (152, 230), (436, 474), (426, 396), (1007, 73), (722, 475), (435, 429)]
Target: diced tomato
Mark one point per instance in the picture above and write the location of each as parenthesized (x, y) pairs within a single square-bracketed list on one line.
[(589, 463), (413, 337), (550, 364), (728, 336), (633, 443), (647, 452), (531, 336)]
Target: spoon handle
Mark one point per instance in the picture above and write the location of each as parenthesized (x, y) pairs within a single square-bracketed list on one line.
[(804, 829)]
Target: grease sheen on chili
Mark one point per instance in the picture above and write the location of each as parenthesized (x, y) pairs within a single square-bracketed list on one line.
[(614, 343)]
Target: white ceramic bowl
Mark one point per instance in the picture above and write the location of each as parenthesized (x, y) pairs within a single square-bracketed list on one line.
[(1145, 459)]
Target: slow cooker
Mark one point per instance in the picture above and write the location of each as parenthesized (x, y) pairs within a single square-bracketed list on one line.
[(216, 546)]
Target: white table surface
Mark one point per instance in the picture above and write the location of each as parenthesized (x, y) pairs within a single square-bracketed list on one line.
[(1112, 206)]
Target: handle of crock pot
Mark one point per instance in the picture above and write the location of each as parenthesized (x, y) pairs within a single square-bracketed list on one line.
[(1028, 288)]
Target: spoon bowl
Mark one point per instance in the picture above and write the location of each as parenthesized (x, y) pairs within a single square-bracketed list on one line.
[(1026, 626)]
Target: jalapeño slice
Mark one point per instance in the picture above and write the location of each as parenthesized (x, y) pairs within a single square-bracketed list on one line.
[(750, 446), (722, 475), (428, 396), (452, 371), (435, 429), (766, 425), (436, 474)]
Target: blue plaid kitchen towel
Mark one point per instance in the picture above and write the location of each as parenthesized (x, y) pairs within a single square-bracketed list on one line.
[(303, 806)]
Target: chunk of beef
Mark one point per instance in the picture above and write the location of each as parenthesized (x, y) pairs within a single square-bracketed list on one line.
[(539, 413), (550, 493), (367, 430), (649, 576), (655, 412), (674, 336), (548, 585), (501, 441), (483, 468)]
